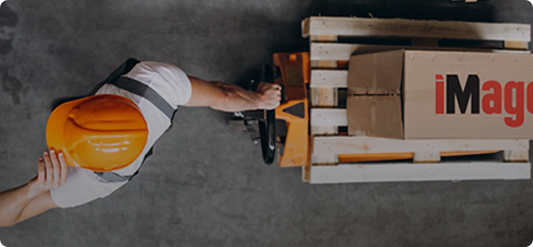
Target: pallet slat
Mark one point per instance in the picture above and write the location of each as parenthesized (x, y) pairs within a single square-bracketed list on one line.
[(324, 64), (329, 78), (331, 52), (328, 117), (336, 51), (323, 97), (361, 144), (357, 27), (409, 172), (323, 38), (516, 155), (516, 45), (426, 157), (324, 130)]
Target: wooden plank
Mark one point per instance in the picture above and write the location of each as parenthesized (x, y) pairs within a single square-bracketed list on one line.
[(329, 78), (305, 28), (328, 117), (342, 52), (324, 130), (324, 64), (306, 173), (361, 144), (323, 97), (516, 45), (336, 51), (376, 27), (426, 157), (323, 159), (323, 38), (516, 155), (400, 172)]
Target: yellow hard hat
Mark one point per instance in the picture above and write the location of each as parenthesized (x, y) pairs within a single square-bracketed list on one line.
[(100, 133)]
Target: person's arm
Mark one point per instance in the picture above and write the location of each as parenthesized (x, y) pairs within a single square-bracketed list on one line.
[(34, 197), (231, 98)]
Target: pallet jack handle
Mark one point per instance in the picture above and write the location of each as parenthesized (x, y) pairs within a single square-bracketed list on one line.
[(267, 127)]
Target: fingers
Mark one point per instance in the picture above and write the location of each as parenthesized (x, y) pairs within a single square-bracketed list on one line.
[(276, 87), (40, 171), (56, 169), (64, 169), (265, 86), (270, 95), (273, 89), (52, 169), (47, 168), (277, 93), (51, 173)]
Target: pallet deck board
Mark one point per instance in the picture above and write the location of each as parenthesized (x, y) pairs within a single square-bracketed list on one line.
[(403, 172), (328, 117), (362, 144), (329, 78), (342, 52), (357, 27)]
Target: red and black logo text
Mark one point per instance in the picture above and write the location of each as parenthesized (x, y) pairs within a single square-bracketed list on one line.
[(494, 101)]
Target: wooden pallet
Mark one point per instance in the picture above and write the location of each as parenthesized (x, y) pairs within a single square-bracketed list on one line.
[(336, 157)]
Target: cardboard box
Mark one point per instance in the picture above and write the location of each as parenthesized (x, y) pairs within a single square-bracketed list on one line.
[(412, 94)]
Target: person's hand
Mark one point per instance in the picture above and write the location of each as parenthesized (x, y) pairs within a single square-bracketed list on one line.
[(52, 173), (269, 95)]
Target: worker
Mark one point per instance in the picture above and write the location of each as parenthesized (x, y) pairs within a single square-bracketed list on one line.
[(98, 143)]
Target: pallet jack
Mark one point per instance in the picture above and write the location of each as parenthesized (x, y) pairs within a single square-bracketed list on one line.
[(284, 131)]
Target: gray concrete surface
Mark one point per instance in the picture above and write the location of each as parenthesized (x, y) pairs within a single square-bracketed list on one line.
[(206, 186)]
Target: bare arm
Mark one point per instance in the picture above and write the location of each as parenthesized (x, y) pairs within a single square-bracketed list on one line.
[(230, 98), (17, 205), (34, 197)]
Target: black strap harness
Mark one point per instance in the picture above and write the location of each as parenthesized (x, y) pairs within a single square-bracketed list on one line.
[(138, 88)]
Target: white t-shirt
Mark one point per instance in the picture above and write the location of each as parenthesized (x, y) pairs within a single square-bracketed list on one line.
[(169, 81)]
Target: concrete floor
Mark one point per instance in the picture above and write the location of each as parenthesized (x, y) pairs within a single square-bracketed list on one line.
[(206, 185)]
